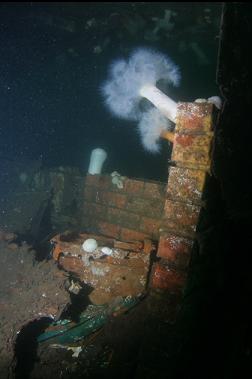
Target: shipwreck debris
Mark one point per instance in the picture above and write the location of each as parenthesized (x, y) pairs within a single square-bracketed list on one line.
[(122, 272)]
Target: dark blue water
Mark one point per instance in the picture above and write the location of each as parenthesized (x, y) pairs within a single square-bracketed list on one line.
[(54, 59)]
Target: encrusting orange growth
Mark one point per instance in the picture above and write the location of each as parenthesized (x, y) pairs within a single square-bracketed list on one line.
[(167, 135)]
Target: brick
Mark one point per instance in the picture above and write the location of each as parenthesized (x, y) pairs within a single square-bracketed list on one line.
[(114, 187), (186, 184), (150, 226), (194, 117), (132, 235), (92, 180), (89, 194), (123, 218), (101, 181), (97, 194), (145, 206), (111, 277), (112, 199), (193, 135), (86, 211), (163, 277), (175, 249), (171, 226), (133, 186), (88, 224), (105, 182), (136, 204), (107, 229), (98, 211), (192, 150), (182, 213), (154, 190)]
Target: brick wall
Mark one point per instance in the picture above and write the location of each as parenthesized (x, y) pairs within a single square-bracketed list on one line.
[(190, 164), (133, 212)]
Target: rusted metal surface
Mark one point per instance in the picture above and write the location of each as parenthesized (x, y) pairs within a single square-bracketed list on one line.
[(111, 277), (121, 273), (145, 246), (71, 243), (61, 244)]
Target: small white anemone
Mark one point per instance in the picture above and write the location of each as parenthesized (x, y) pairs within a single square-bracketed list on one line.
[(106, 250), (89, 245), (117, 179)]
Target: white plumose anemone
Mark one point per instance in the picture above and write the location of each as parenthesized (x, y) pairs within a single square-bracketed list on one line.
[(150, 127), (131, 80)]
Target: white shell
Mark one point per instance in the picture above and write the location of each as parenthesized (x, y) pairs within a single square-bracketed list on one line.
[(107, 250), (89, 245)]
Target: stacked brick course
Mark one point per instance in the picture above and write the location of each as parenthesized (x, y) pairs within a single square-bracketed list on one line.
[(169, 213), (190, 165), (133, 212)]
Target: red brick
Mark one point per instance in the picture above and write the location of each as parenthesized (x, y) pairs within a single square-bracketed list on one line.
[(145, 206), (132, 235), (101, 181), (89, 194), (169, 225), (133, 186), (97, 194), (112, 199), (105, 182), (163, 277), (196, 117), (123, 218), (154, 190), (136, 204), (192, 150), (182, 213), (150, 226), (94, 210), (87, 224), (86, 208), (175, 249), (92, 180), (107, 229), (117, 200), (186, 184)]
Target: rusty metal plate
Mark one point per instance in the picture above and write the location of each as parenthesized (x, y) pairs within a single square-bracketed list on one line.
[(121, 273)]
